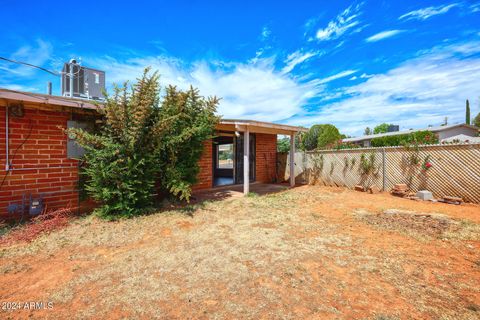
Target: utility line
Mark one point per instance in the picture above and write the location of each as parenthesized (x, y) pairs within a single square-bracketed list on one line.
[(31, 65)]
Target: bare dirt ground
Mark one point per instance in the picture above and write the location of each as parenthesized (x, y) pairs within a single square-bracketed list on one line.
[(306, 253)]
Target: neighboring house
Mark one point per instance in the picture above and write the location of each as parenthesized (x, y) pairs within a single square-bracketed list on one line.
[(38, 161), (442, 132), (461, 138)]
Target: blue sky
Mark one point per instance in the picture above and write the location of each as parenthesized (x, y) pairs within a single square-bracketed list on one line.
[(353, 64)]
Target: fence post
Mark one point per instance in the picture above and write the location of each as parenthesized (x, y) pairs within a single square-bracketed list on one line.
[(384, 171)]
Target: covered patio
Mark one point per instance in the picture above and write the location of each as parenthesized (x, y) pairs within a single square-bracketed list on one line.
[(235, 191), (251, 138)]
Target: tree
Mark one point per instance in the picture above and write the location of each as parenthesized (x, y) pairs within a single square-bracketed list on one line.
[(445, 122), (283, 145), (144, 141), (329, 135), (467, 112), (320, 136), (381, 128), (367, 131), (476, 120)]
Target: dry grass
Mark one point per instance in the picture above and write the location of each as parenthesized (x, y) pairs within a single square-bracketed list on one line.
[(295, 254), (424, 226)]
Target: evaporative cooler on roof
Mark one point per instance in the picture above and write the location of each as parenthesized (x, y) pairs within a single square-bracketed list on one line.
[(88, 83)]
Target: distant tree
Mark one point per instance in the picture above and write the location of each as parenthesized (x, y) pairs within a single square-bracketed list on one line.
[(476, 120), (329, 135), (367, 131), (320, 135), (283, 145), (467, 112), (445, 121), (381, 128)]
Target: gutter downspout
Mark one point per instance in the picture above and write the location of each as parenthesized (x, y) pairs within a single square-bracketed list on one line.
[(7, 160)]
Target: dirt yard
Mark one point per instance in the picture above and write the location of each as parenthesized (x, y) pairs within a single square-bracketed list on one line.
[(306, 253)]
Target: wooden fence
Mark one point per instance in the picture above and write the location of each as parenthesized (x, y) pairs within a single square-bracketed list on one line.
[(455, 169)]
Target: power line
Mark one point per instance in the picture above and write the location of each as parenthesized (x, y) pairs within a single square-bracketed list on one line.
[(32, 66)]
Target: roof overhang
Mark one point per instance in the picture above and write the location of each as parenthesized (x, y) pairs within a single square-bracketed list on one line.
[(257, 127), (48, 101), (45, 99)]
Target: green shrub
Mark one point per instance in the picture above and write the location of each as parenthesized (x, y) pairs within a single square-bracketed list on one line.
[(420, 137), (145, 141), (319, 136), (283, 145), (340, 145)]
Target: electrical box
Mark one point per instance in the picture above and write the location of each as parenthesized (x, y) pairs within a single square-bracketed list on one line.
[(74, 150)]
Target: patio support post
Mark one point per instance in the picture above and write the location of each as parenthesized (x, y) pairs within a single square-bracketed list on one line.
[(292, 159), (246, 162)]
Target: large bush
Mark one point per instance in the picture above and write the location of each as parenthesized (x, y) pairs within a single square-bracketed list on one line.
[(145, 140), (418, 137)]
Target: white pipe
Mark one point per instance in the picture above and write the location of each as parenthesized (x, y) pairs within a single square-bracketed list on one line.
[(71, 79), (7, 160), (292, 160), (246, 162)]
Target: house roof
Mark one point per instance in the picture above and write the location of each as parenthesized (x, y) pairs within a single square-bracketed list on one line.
[(13, 95), (462, 138), (225, 124), (432, 129)]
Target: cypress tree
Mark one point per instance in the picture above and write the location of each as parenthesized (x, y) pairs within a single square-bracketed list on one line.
[(467, 113)]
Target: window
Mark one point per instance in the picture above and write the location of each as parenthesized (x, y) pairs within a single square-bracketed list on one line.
[(225, 156)]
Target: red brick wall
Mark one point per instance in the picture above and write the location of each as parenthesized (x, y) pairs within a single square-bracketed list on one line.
[(205, 176), (33, 169), (266, 157)]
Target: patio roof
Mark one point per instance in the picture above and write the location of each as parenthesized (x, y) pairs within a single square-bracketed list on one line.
[(258, 127)]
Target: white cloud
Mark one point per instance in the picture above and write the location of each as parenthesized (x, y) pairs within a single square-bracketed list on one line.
[(266, 32), (425, 13), (366, 76), (248, 91), (383, 35), (336, 76), (36, 55), (419, 92), (297, 58), (341, 24), (18, 87), (475, 8)]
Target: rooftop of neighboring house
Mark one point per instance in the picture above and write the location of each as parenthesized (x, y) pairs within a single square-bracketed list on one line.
[(462, 138), (394, 133)]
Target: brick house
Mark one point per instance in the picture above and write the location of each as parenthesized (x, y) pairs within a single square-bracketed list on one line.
[(39, 163), (37, 157)]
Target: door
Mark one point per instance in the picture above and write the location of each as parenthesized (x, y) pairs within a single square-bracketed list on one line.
[(239, 158)]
